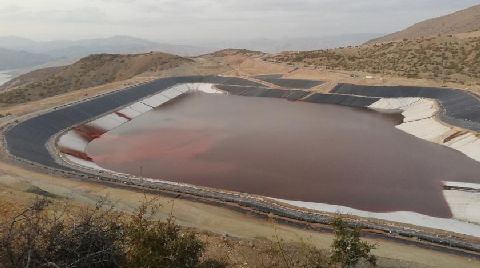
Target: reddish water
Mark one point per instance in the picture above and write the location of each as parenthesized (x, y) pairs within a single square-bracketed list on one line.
[(290, 150)]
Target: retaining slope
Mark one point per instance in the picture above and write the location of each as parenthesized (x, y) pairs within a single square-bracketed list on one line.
[(459, 108), (289, 83), (28, 140), (343, 100), (263, 92)]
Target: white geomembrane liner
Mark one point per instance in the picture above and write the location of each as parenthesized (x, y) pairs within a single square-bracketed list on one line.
[(183, 88), (475, 186), (171, 93), (399, 216), (84, 163), (207, 88), (473, 150), (108, 122), (140, 107), (393, 103), (161, 98), (419, 121), (422, 109), (73, 140), (465, 205), (129, 112), (462, 140), (155, 101), (427, 129)]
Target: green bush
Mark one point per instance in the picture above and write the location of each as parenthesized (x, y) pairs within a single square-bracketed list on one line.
[(99, 237), (162, 244), (347, 248)]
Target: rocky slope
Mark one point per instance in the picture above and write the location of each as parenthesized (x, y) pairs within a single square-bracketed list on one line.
[(467, 20), (447, 59)]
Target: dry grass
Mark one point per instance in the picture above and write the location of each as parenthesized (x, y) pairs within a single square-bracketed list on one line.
[(89, 72), (463, 21), (444, 59)]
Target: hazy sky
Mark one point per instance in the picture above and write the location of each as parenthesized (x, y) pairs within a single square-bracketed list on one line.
[(187, 20)]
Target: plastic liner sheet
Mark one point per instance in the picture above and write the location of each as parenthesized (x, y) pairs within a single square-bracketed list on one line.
[(289, 83), (344, 100), (27, 140), (459, 108), (263, 92)]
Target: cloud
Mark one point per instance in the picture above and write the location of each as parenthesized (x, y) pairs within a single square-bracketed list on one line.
[(184, 19), (82, 15)]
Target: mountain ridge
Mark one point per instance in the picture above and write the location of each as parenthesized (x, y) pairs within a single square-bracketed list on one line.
[(90, 71), (462, 21), (15, 59)]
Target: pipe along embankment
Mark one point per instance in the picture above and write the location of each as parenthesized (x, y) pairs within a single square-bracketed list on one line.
[(29, 141)]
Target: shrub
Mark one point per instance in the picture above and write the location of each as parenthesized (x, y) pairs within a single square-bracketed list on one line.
[(99, 237), (162, 244), (347, 248), (38, 238)]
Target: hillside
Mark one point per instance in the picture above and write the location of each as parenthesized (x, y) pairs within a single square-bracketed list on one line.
[(14, 59), (275, 45), (82, 48), (463, 21), (447, 59), (88, 72), (25, 55)]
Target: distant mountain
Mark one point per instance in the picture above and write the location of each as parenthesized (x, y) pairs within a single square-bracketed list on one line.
[(26, 55), (295, 44), (14, 59), (82, 48), (464, 21)]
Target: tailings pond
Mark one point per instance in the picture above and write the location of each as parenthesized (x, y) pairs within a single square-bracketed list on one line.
[(289, 150)]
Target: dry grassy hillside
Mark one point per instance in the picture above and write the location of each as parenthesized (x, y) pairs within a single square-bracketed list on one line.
[(88, 72), (463, 21), (232, 52), (447, 59)]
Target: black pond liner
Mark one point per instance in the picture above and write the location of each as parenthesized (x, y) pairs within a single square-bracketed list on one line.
[(459, 108), (289, 83), (27, 141)]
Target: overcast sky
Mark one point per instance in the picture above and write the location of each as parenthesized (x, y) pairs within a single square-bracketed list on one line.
[(190, 20)]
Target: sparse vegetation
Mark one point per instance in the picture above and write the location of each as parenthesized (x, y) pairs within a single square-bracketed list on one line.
[(88, 72), (447, 59), (49, 234), (98, 237), (347, 248)]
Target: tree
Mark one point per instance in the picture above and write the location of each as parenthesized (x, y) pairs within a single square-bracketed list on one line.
[(40, 236), (347, 248), (160, 244), (37, 237)]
